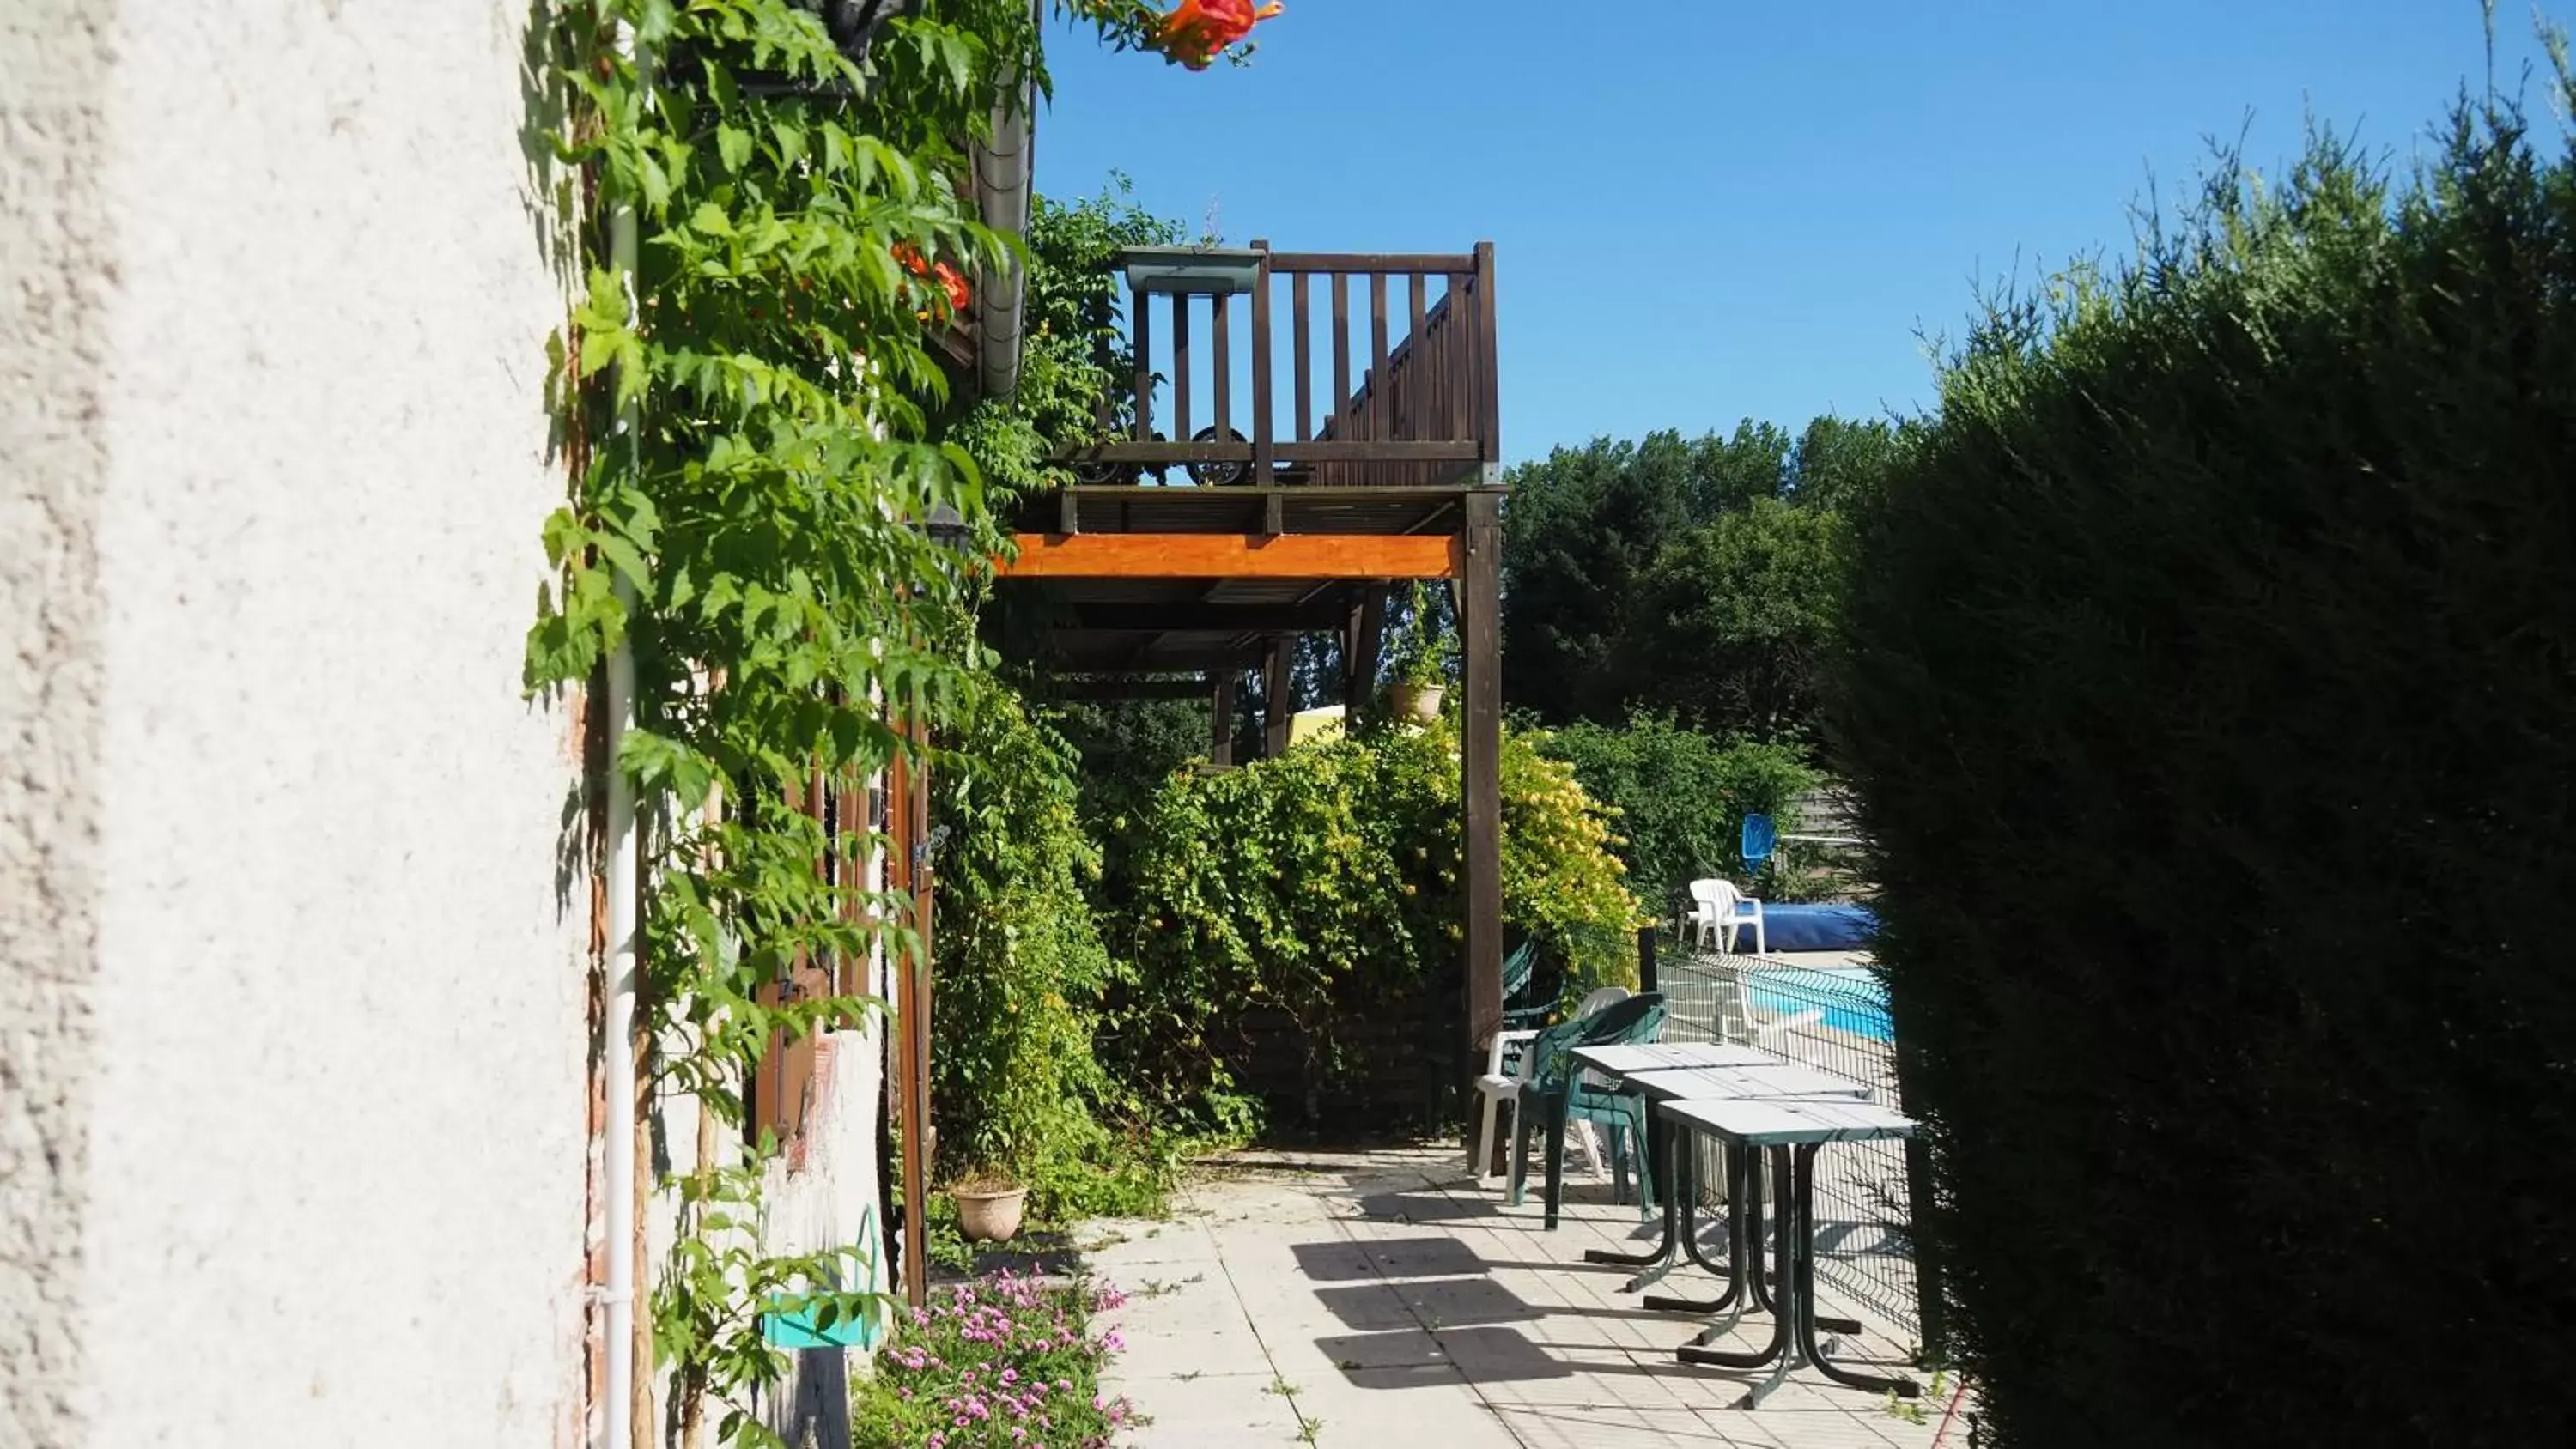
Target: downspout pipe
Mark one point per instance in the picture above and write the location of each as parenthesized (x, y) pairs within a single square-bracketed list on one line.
[(1005, 167), (624, 882)]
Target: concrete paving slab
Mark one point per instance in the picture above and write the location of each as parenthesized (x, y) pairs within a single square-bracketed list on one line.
[(1392, 1297)]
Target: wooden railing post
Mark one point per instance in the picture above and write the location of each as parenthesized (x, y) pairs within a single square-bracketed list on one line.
[(1489, 429)]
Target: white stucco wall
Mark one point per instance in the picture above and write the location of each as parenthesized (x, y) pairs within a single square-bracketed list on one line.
[(819, 1195), (53, 255), (292, 1136)]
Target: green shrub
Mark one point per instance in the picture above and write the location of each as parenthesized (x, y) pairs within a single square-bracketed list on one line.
[(1681, 796), (2210, 699), (1016, 1085), (1325, 884)]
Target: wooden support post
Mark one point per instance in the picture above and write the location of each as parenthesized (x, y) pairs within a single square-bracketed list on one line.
[(1368, 629), (904, 1062), (917, 1192), (1275, 708), (1481, 744), (1221, 721)]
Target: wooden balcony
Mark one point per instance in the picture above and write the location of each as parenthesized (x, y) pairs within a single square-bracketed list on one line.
[(1383, 364), (1191, 555)]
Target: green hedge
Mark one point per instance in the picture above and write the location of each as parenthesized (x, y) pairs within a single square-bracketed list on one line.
[(2209, 694)]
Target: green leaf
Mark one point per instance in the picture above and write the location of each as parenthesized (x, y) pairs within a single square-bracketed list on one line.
[(711, 219), (600, 348), (791, 141), (626, 558), (733, 146)]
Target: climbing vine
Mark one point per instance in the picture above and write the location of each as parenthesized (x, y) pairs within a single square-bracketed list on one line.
[(749, 395)]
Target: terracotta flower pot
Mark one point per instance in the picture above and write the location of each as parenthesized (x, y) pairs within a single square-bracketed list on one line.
[(1418, 702), (990, 1215)]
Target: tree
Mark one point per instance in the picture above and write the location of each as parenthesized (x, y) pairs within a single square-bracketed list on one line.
[(1692, 577), (1734, 618), (1840, 462)]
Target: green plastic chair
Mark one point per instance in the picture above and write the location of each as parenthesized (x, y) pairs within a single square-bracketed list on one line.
[(1529, 995), (1555, 1090)]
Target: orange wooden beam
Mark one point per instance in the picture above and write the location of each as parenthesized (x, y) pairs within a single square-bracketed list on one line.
[(1234, 556)]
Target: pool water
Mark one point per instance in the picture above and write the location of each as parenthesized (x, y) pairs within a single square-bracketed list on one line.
[(1850, 997)]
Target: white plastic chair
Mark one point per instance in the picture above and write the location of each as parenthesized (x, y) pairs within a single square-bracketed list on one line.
[(1717, 906), (1496, 1089), (1493, 1090), (1740, 1023)]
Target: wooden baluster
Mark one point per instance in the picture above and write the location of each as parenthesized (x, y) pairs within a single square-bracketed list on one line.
[(1305, 427), (1180, 367), (1140, 308), (1261, 421), (1341, 364)]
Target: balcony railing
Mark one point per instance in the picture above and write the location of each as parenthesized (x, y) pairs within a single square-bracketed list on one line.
[(1388, 363)]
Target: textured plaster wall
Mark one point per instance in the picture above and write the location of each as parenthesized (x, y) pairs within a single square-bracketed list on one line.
[(294, 1010), (53, 262)]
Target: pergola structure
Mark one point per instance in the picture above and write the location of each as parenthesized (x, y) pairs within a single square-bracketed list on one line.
[(1180, 562)]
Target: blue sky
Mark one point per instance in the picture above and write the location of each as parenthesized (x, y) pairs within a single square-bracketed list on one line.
[(1705, 210)]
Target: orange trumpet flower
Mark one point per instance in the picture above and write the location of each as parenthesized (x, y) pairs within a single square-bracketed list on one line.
[(1196, 32), (950, 281), (954, 284)]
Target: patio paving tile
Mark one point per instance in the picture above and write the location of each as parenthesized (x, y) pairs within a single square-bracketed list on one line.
[(1209, 1410), (1401, 1306)]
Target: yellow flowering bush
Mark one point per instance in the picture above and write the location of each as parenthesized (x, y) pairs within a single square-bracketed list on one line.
[(1328, 884)]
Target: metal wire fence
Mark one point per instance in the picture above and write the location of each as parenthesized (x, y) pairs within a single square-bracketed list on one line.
[(1832, 1017)]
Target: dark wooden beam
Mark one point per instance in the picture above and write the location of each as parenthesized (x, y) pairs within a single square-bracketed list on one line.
[(1231, 556), (1204, 618), (1293, 492), (1346, 450), (1174, 659), (1102, 690), (1481, 743)]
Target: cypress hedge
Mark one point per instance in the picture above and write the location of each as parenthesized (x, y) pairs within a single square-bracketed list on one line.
[(2207, 690)]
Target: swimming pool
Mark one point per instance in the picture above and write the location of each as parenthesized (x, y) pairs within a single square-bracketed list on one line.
[(1849, 996)]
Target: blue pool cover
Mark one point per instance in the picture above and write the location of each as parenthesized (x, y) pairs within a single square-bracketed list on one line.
[(1787, 927)]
